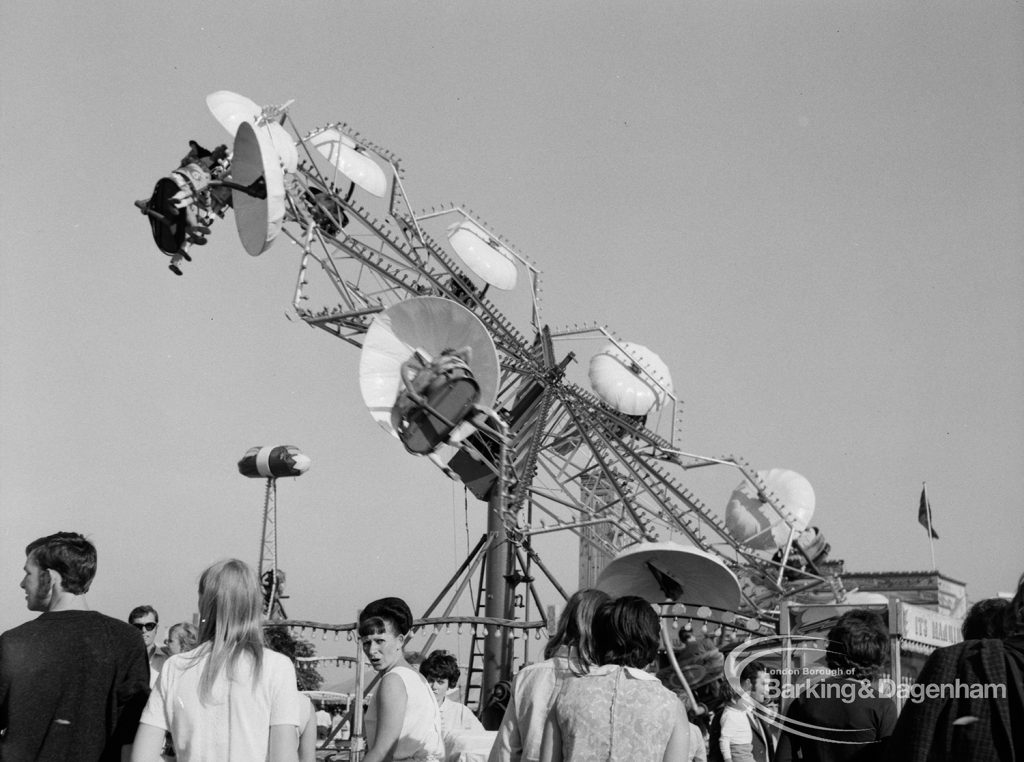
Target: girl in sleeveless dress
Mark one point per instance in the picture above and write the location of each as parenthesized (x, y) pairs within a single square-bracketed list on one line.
[(402, 721)]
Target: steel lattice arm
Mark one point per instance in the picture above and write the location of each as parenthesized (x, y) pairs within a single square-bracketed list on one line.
[(559, 452)]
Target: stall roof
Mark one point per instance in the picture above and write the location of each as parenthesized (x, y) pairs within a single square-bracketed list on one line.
[(921, 572)]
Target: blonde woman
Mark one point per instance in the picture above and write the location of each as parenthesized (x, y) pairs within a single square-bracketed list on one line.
[(230, 699), (182, 637)]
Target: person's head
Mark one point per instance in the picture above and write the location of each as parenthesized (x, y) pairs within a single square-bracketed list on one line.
[(442, 672), (985, 619), (574, 626), (626, 632), (230, 618), (383, 625), (1013, 618), (145, 619), (754, 681), (858, 645), (182, 637), (64, 562), (750, 686)]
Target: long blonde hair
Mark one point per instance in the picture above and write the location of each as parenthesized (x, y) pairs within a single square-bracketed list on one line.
[(230, 621)]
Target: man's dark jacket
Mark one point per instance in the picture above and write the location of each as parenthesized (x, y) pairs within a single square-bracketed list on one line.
[(959, 727)]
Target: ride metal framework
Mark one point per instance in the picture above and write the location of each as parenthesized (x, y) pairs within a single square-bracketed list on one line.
[(269, 575), (561, 444), (567, 432)]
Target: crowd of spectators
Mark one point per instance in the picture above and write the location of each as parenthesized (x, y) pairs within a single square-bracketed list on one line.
[(76, 684)]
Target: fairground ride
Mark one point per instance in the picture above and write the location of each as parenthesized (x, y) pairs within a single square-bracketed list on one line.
[(485, 397)]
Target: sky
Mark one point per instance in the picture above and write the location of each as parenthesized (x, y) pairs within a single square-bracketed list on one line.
[(813, 212)]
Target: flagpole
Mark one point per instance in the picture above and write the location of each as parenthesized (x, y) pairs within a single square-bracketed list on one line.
[(928, 513)]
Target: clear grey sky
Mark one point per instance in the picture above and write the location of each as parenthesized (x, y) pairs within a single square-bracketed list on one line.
[(812, 211)]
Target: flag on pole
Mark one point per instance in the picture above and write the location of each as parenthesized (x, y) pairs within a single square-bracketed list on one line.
[(924, 514)]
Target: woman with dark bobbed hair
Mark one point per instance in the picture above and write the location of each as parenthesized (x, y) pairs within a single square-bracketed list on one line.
[(402, 721), (442, 672), (569, 652), (617, 710)]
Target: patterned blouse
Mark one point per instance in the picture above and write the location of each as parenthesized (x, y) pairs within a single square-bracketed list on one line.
[(615, 713)]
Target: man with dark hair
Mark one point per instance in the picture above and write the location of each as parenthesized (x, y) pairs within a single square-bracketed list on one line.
[(753, 683), (147, 621), (73, 682), (968, 704), (754, 680), (986, 619), (842, 718)]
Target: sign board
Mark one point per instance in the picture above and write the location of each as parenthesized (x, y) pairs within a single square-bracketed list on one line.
[(928, 627), (952, 597)]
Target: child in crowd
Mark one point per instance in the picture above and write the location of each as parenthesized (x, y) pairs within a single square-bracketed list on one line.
[(182, 637), (442, 672), (737, 739)]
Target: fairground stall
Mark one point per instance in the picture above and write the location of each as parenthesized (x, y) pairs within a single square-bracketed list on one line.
[(914, 632)]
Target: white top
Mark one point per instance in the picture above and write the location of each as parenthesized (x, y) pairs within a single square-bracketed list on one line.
[(420, 737), (234, 726), (698, 749), (305, 713), (736, 730), (534, 690), (456, 717), (469, 746), (465, 739)]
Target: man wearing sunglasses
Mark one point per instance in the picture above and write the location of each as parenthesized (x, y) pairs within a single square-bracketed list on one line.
[(147, 621), (73, 681)]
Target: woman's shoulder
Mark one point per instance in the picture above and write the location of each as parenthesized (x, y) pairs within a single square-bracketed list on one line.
[(663, 696), (533, 671), (557, 664), (542, 673), (186, 658), (272, 656), (276, 662), (404, 674)]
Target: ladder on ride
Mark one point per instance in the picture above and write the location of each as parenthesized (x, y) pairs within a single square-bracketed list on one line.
[(474, 672)]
